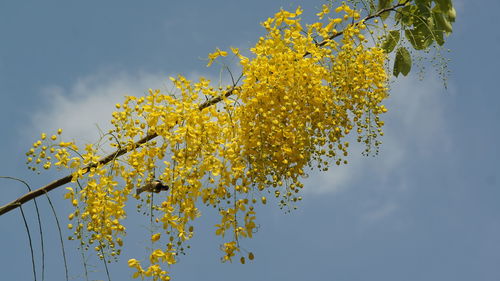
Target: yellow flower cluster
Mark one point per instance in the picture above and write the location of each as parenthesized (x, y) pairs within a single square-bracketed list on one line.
[(297, 103), (45, 149), (297, 109)]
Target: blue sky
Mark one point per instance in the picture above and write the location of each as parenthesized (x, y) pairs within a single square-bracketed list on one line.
[(426, 208)]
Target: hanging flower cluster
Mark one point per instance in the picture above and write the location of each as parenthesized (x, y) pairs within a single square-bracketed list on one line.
[(297, 102)]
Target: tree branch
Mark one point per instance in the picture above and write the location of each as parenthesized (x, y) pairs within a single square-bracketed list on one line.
[(369, 17), (67, 179)]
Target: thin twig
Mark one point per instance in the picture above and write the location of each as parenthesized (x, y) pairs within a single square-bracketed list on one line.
[(105, 264), (84, 260), (31, 244), (39, 224), (60, 236), (377, 14)]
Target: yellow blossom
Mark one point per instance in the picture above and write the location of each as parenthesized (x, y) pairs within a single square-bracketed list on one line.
[(214, 55), (155, 237)]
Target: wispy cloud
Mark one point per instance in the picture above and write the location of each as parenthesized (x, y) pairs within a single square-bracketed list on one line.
[(84, 108), (87, 105), (380, 212)]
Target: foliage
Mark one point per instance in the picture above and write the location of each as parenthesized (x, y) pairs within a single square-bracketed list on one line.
[(423, 23), (302, 91)]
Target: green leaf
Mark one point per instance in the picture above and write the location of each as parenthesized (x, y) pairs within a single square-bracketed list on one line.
[(452, 14), (373, 9), (391, 40), (419, 39), (441, 22), (438, 37), (383, 4), (445, 5), (405, 15), (402, 64), (423, 10)]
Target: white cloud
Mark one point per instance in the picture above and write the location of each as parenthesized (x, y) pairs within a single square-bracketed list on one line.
[(90, 102), (415, 124), (380, 212), (84, 108)]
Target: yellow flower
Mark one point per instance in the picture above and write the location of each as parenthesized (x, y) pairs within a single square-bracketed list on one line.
[(214, 55), (325, 10), (155, 237), (235, 51), (132, 262)]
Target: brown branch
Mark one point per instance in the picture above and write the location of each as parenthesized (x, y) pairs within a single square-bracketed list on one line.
[(369, 17), (67, 179)]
